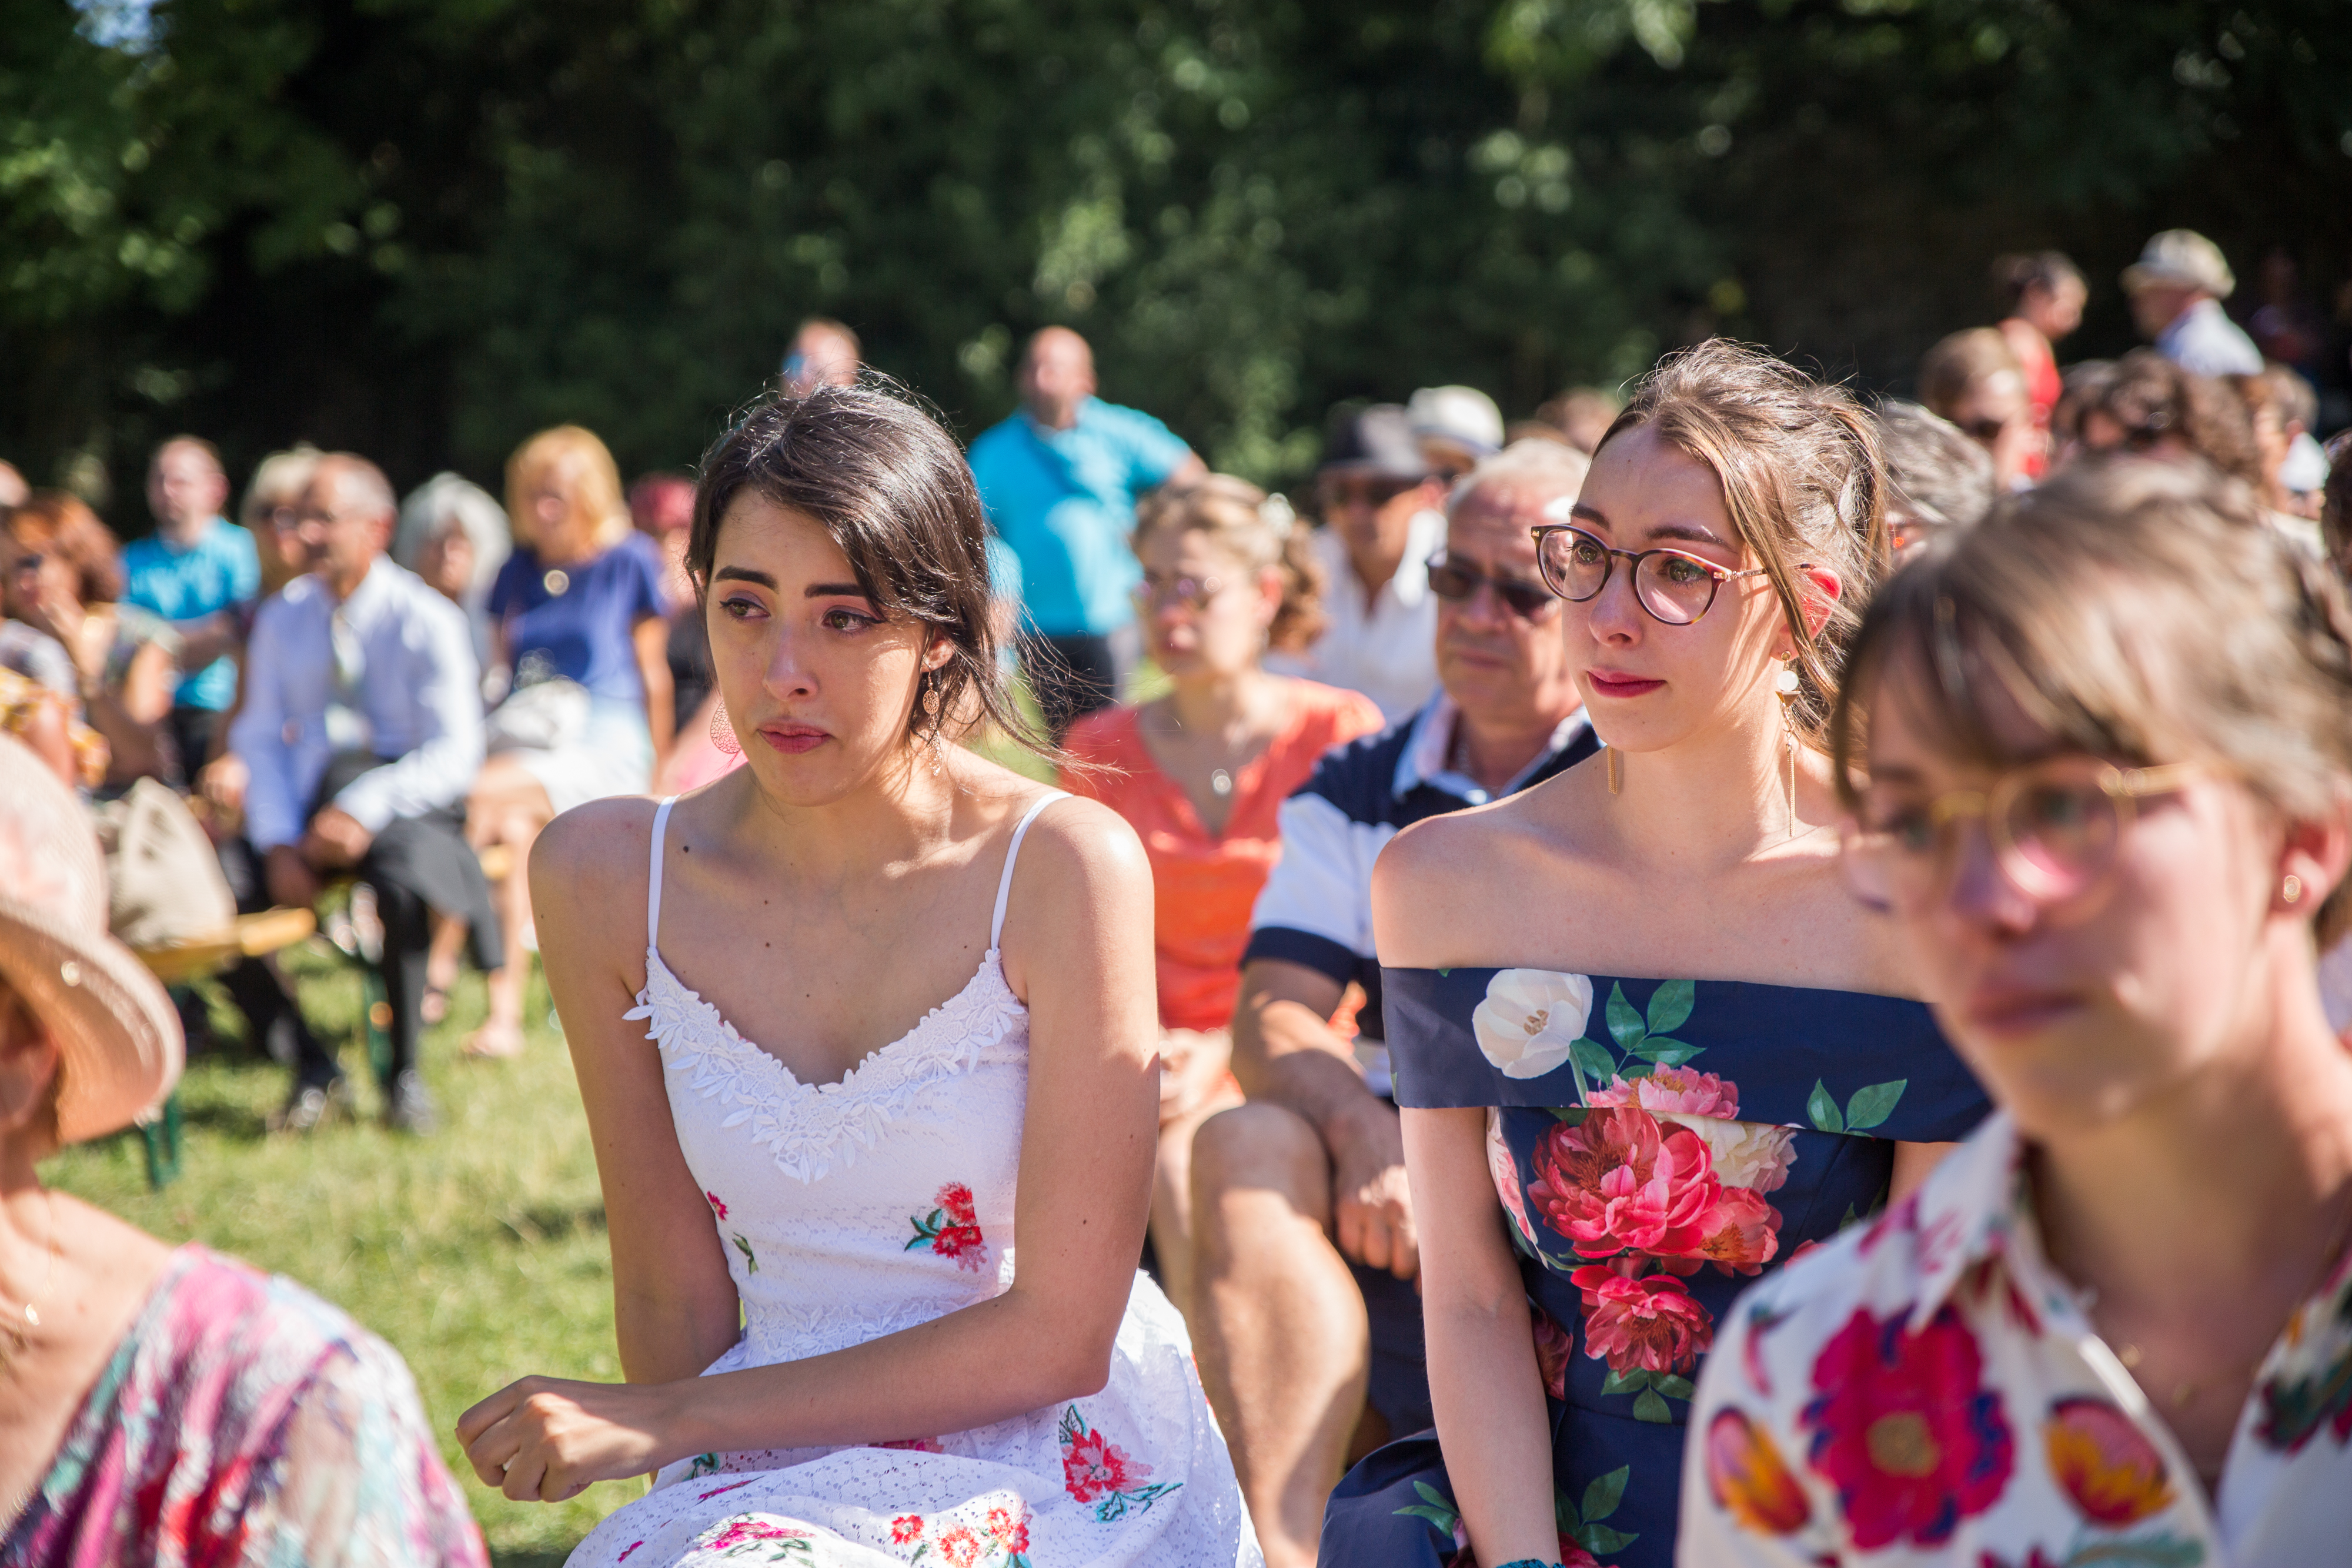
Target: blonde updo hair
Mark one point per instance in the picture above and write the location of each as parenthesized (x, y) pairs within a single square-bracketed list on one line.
[(1256, 530), (1803, 478), (2140, 611)]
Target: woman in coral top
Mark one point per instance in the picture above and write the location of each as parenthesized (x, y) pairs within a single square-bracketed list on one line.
[(1199, 774)]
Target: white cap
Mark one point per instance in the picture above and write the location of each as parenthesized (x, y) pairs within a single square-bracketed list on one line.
[(1463, 417)]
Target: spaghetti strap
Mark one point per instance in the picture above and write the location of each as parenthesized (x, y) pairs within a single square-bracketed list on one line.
[(1005, 883), (653, 877)]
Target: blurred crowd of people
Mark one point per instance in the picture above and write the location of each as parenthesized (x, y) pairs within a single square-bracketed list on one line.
[(333, 697)]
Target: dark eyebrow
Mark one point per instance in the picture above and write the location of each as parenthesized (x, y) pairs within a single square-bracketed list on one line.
[(1690, 531), (828, 589), (743, 574)]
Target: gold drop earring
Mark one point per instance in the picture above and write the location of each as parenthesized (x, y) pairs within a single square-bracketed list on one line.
[(1787, 684), (1615, 763), (931, 712)]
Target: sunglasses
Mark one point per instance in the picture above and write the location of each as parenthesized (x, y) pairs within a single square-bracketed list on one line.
[(1456, 581), (2054, 828), (1675, 586)]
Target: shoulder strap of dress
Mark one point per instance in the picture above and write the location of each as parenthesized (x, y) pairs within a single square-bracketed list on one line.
[(1005, 883), (652, 878)]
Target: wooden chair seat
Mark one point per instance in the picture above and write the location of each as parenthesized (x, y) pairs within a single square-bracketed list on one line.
[(251, 937)]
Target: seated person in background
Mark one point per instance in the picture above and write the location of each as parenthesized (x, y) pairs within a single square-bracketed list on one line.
[(1305, 1320), (65, 581), (164, 1405), (1973, 380), (453, 534), (201, 573), (1939, 479), (362, 729), (271, 512), (2109, 843), (2279, 403), (1379, 498), (2151, 407), (1200, 775), (580, 619)]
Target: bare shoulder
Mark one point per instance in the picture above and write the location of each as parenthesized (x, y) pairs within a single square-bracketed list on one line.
[(1075, 845), (588, 867), (1435, 886)]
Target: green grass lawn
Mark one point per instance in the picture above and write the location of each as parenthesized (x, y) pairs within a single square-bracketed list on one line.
[(479, 1253)]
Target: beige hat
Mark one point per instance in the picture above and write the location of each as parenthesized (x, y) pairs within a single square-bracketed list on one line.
[(2183, 258), (118, 1038)]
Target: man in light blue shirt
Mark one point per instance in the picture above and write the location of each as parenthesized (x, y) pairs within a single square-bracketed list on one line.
[(1060, 478), (2177, 288), (362, 732), (199, 571)]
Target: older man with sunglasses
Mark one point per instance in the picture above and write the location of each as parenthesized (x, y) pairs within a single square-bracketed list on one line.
[(1306, 1318)]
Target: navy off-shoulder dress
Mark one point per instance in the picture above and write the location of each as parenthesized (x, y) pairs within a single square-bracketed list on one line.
[(1656, 1144)]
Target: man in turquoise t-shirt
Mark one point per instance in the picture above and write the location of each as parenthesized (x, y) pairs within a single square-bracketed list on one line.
[(1060, 478), (199, 571)]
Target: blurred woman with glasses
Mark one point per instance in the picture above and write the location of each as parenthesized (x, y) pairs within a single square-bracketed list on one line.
[(1199, 774), (1646, 1045), (1973, 379), (63, 579), (2100, 777)]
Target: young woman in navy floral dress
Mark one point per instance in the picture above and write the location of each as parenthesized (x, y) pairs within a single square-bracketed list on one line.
[(1647, 1045)]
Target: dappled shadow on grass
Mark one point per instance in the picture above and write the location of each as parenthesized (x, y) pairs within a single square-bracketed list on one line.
[(535, 1223)]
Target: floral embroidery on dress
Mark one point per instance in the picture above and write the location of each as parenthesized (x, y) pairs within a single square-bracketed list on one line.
[(1097, 1470), (2312, 1387), (1581, 1533), (751, 1259), (758, 1540), (951, 1230), (1905, 1428), (1001, 1539), (717, 1207)]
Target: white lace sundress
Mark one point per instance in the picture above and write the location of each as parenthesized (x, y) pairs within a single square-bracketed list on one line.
[(856, 1209)]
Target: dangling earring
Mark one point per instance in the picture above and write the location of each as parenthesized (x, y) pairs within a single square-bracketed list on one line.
[(722, 733), (931, 712), (1615, 762), (1787, 683)]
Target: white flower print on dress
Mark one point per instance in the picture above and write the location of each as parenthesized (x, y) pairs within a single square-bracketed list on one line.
[(1529, 1019)]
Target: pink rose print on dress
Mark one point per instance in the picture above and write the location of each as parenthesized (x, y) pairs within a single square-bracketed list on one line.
[(1644, 1325), (717, 1206), (960, 1547), (760, 1540), (907, 1529), (1675, 1089), (1617, 1183), (951, 1230), (1009, 1531), (1504, 1171), (1097, 1470), (1904, 1429)]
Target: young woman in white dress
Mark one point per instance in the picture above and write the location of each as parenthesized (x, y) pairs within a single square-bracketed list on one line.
[(897, 1390)]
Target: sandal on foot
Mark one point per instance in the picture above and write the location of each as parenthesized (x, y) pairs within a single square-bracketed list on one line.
[(493, 1042)]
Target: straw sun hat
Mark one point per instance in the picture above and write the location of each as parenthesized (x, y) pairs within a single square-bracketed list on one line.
[(117, 1036)]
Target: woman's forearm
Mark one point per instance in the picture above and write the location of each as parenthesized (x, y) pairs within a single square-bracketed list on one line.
[(986, 1363), (1487, 1395)]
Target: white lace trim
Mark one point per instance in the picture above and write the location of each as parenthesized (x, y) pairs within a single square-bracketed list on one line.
[(808, 1126)]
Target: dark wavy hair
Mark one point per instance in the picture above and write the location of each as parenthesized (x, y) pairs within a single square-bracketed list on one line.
[(893, 491)]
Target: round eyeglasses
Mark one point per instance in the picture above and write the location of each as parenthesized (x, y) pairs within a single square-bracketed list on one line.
[(2054, 827), (1155, 592), (1673, 585)]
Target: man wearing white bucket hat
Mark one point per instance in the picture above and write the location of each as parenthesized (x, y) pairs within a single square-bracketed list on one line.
[(2177, 288), (158, 1403)]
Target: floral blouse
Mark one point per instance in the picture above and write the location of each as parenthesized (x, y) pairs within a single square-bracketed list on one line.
[(1929, 1390), (243, 1421)]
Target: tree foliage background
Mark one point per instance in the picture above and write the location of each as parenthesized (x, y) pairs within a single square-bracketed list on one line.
[(423, 228)]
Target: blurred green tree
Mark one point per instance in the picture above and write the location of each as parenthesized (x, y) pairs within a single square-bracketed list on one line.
[(423, 228)]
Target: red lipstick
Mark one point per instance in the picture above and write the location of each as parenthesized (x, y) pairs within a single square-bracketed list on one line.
[(1616, 683)]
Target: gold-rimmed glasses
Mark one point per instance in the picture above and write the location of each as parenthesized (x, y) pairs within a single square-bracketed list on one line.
[(1675, 586), (2054, 827)]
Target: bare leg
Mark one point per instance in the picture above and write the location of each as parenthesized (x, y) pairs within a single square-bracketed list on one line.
[(441, 966), (1279, 1329), (508, 807), (1194, 1085)]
